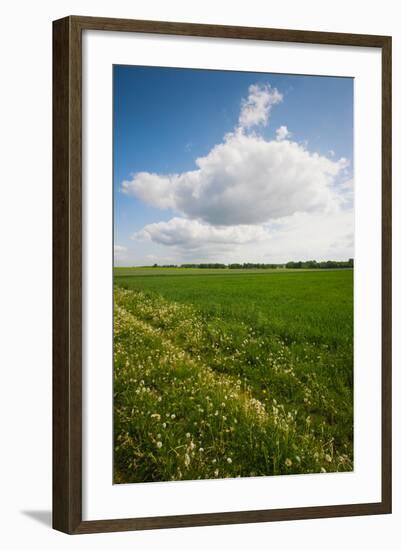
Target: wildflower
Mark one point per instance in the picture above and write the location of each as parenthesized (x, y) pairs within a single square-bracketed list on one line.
[(229, 460), (172, 416), (159, 444), (288, 462)]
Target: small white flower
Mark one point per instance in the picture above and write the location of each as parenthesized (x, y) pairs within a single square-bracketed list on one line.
[(159, 444), (229, 460)]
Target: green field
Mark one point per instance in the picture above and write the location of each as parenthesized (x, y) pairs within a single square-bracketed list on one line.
[(221, 373)]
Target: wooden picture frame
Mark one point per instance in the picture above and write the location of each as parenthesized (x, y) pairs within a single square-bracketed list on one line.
[(67, 274)]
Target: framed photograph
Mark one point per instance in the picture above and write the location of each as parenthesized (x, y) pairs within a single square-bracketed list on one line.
[(222, 275)]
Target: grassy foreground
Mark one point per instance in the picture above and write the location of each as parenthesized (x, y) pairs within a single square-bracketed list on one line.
[(232, 374)]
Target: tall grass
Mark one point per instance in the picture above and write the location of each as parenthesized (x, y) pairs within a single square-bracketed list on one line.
[(232, 375)]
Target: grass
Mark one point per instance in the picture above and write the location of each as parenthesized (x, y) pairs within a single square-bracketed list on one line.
[(223, 374)]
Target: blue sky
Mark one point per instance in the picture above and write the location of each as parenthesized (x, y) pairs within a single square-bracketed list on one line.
[(165, 119)]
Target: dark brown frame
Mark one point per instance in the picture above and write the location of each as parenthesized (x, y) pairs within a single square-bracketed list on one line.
[(67, 277)]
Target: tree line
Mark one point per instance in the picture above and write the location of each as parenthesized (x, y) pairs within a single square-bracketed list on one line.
[(309, 264), (312, 264)]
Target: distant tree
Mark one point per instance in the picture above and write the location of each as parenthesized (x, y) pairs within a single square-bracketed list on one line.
[(313, 264)]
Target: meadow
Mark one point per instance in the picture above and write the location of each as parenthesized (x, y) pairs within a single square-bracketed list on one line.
[(222, 373)]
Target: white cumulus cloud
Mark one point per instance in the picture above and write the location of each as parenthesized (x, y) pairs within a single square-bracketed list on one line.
[(282, 133), (192, 234), (244, 180), (301, 236), (256, 108)]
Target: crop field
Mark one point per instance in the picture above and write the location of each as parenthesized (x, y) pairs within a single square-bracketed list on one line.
[(221, 373)]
